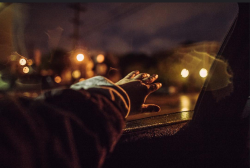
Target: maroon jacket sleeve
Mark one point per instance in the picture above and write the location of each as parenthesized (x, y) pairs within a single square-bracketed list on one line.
[(74, 127)]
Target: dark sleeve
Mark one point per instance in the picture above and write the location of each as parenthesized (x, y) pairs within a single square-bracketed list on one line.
[(74, 127)]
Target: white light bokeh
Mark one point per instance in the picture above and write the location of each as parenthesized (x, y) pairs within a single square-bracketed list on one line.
[(184, 73), (203, 73), (22, 61), (80, 57)]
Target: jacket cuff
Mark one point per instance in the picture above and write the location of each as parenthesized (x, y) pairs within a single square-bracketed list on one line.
[(104, 86)]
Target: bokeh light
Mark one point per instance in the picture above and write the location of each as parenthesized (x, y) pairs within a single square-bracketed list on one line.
[(185, 115), (22, 61), (26, 94), (29, 62), (185, 103), (184, 109), (203, 73), (76, 74), (26, 69), (80, 57), (100, 58), (58, 79), (184, 73)]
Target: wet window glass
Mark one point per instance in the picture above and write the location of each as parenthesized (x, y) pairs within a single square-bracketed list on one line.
[(50, 45)]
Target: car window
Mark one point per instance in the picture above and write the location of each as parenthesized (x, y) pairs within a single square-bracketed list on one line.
[(57, 44)]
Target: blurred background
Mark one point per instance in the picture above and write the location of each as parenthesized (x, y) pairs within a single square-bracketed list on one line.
[(50, 45)]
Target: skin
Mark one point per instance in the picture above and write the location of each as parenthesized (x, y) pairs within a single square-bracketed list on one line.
[(138, 87)]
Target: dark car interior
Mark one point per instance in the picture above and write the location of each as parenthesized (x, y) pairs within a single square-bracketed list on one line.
[(211, 128), (215, 134)]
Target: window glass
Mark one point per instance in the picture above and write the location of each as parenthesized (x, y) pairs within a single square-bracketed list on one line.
[(58, 44)]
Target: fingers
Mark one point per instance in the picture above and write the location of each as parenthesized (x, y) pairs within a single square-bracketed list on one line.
[(132, 74), (153, 87), (141, 76), (150, 79), (150, 108)]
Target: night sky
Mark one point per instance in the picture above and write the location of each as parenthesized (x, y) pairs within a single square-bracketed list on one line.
[(128, 27)]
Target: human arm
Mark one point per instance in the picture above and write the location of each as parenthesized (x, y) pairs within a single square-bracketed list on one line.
[(74, 127)]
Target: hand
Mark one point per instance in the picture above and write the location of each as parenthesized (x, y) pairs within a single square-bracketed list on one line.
[(138, 86)]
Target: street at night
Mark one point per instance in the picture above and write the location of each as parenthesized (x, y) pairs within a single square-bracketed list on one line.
[(169, 104)]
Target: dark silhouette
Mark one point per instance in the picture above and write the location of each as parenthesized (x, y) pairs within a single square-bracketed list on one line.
[(71, 127)]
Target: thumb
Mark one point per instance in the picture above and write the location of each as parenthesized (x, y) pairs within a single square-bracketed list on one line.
[(150, 108)]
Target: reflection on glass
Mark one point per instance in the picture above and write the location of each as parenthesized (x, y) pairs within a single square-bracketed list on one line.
[(185, 103), (185, 115), (184, 109)]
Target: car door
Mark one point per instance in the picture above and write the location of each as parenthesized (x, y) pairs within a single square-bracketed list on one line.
[(217, 135)]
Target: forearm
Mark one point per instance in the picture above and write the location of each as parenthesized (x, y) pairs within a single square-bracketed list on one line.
[(67, 127), (98, 104)]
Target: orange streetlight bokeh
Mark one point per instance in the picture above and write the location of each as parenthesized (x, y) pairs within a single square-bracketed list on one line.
[(100, 58), (26, 69), (76, 74), (58, 79)]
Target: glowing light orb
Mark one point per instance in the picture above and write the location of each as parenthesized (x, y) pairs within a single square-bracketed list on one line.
[(81, 79), (80, 57), (100, 58), (184, 73), (22, 61), (76, 74), (58, 79), (26, 94), (29, 62), (184, 109), (203, 73), (26, 69)]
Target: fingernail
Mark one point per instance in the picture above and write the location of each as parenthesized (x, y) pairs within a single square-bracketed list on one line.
[(155, 75)]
